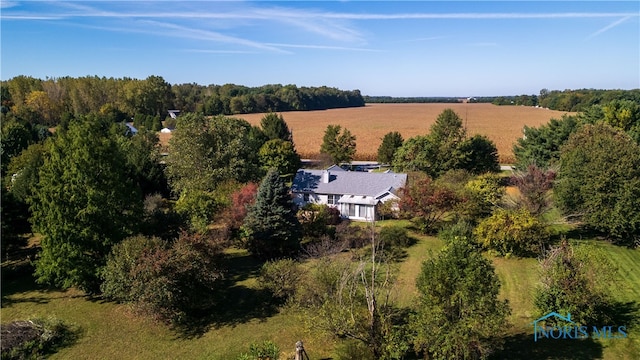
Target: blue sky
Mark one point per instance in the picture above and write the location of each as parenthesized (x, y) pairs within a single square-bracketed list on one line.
[(416, 48)]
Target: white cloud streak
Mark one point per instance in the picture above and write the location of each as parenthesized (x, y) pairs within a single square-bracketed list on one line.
[(608, 27), (323, 47)]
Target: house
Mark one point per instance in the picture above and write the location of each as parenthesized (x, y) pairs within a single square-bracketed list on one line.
[(131, 130), (356, 194), (174, 113)]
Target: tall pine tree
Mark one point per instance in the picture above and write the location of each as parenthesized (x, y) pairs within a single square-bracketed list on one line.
[(271, 224)]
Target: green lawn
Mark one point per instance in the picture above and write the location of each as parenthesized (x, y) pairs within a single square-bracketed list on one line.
[(109, 330)]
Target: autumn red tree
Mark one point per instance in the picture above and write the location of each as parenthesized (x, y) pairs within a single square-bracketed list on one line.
[(240, 201), (427, 203)]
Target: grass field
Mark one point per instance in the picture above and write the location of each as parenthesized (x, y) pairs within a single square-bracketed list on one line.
[(502, 124), (109, 331)]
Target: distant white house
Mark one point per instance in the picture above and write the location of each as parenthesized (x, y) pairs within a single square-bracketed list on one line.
[(174, 113), (356, 194), (131, 129)]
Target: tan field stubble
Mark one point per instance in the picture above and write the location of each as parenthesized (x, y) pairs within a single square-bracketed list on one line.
[(502, 124)]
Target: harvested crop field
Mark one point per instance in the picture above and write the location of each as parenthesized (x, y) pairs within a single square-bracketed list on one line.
[(502, 124)]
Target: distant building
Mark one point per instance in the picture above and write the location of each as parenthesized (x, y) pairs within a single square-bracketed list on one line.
[(174, 113), (131, 129)]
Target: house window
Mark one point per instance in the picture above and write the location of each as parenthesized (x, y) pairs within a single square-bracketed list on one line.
[(333, 199), (352, 210)]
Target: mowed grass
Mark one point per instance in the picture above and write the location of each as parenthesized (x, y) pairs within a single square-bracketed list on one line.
[(502, 124), (110, 331)]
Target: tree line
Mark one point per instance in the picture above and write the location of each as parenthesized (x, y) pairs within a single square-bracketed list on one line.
[(569, 100), (565, 100), (50, 100)]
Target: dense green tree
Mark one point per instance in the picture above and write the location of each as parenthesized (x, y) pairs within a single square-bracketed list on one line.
[(448, 129), (274, 127), (14, 223), (198, 207), (280, 155), (143, 157), (576, 279), (15, 137), (458, 315), (512, 232), (483, 194), (84, 204), (447, 148), (23, 172), (338, 144), (206, 152), (387, 149), (599, 179), (271, 226), (480, 155), (541, 146), (416, 154), (447, 135)]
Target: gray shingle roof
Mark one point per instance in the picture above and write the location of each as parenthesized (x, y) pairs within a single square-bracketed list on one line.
[(347, 182)]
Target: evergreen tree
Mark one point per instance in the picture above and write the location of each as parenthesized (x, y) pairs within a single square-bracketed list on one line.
[(390, 143), (272, 228), (84, 203), (274, 127)]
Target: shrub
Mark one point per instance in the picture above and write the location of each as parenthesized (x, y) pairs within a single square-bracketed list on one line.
[(483, 194), (198, 206), (32, 339), (268, 350), (168, 283), (514, 232), (281, 277), (117, 274), (395, 237), (457, 230), (576, 280), (534, 186), (353, 237), (241, 200), (316, 220), (175, 283)]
